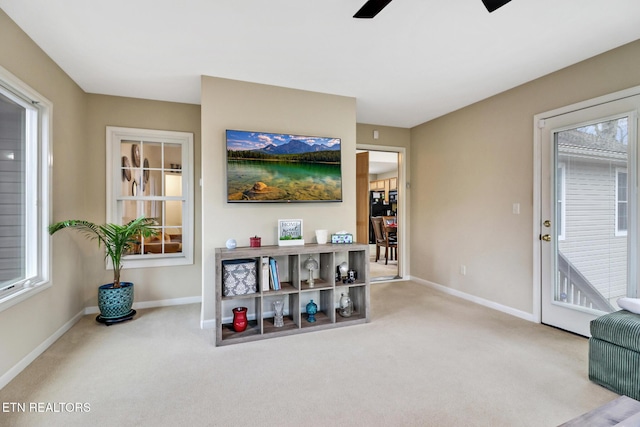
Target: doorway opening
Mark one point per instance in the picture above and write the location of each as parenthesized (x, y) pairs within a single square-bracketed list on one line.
[(379, 211)]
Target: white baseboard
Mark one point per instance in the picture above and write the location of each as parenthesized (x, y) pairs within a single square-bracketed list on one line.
[(208, 324), (33, 355), (481, 301), (151, 304)]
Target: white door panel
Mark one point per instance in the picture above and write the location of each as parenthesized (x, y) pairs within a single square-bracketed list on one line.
[(588, 212)]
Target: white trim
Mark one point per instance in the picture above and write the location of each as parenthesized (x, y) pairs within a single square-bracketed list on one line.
[(477, 300), (33, 355), (536, 306), (41, 200), (153, 304), (114, 135), (208, 324)]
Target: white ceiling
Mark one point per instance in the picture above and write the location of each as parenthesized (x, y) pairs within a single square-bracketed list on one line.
[(417, 60)]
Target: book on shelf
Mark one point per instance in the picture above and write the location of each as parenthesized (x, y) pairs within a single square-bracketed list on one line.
[(278, 276), (264, 278), (273, 264)]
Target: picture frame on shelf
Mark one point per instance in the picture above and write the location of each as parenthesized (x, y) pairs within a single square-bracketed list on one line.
[(290, 232)]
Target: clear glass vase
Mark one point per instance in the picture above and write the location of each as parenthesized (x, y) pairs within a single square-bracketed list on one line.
[(278, 318)]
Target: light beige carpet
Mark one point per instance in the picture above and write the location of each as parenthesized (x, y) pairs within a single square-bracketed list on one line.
[(379, 270), (426, 359)]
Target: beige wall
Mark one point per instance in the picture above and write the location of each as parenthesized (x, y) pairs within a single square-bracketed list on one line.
[(28, 324), (230, 104), (470, 166), (152, 284)]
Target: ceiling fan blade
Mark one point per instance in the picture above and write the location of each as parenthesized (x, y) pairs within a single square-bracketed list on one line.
[(371, 8), (492, 5)]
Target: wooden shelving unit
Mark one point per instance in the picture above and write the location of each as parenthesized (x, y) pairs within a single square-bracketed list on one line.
[(295, 292)]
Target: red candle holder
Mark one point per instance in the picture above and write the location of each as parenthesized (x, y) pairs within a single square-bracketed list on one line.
[(255, 242)]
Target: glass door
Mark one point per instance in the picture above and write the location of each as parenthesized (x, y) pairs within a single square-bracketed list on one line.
[(588, 213)]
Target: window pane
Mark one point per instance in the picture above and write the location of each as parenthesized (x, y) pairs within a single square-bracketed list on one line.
[(622, 186), (173, 184), (130, 156), (12, 191), (560, 201), (150, 173), (133, 209), (173, 156), (173, 213), (622, 216)]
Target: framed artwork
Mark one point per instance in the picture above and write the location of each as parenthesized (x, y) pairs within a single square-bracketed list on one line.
[(267, 167), (290, 232)]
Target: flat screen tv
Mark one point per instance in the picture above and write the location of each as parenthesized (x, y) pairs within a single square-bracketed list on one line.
[(272, 167)]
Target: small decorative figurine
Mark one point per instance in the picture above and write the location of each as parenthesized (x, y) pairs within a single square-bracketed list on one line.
[(311, 265), (312, 309)]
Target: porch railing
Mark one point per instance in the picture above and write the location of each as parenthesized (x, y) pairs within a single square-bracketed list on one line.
[(576, 289)]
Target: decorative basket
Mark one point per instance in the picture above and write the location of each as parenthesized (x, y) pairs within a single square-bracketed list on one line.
[(239, 277)]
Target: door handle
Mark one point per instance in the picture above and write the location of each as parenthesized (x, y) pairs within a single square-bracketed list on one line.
[(546, 237)]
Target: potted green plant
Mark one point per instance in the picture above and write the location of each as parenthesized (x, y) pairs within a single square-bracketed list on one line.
[(114, 299)]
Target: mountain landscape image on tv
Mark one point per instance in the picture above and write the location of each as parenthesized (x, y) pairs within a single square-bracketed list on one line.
[(271, 167)]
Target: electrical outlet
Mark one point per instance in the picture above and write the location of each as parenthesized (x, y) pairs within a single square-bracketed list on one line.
[(463, 270)]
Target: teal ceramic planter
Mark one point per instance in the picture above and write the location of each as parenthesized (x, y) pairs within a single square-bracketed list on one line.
[(113, 302)]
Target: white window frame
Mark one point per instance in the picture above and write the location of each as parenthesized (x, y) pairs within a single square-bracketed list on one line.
[(115, 136), (618, 232), (38, 162)]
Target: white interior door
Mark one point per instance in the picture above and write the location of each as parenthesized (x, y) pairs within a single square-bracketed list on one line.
[(588, 212)]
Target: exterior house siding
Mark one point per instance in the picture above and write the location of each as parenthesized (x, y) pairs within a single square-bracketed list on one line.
[(11, 177), (590, 232)]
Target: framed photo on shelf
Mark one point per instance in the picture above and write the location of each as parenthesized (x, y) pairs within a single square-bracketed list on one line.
[(290, 232)]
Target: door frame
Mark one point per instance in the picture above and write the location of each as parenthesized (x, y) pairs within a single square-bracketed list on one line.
[(538, 125), (403, 220)]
